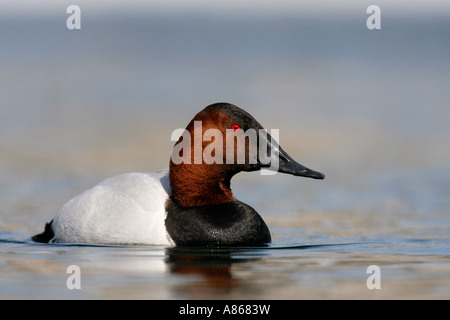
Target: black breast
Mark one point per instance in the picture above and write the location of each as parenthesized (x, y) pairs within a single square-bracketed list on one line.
[(229, 224)]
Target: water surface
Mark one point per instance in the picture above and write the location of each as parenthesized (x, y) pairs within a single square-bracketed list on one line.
[(369, 109)]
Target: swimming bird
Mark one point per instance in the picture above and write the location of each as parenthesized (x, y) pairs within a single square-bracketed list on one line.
[(191, 203)]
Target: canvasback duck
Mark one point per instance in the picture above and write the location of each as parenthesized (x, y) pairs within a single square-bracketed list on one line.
[(190, 204)]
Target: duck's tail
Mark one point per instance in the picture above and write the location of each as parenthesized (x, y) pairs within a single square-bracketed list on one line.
[(45, 236)]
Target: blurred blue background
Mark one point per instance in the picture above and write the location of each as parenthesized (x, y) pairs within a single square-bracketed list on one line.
[(369, 108)]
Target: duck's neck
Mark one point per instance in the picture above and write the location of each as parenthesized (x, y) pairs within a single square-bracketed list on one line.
[(200, 184)]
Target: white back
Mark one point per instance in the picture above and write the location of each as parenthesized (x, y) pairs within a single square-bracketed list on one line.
[(125, 209)]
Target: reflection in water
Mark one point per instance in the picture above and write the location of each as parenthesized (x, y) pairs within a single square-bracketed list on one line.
[(315, 271), (212, 265)]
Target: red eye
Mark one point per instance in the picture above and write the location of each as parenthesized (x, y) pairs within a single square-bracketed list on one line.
[(235, 127)]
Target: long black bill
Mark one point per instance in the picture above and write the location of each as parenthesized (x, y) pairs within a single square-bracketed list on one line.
[(280, 161), (290, 166)]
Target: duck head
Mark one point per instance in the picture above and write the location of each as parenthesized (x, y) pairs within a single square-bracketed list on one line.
[(220, 141)]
